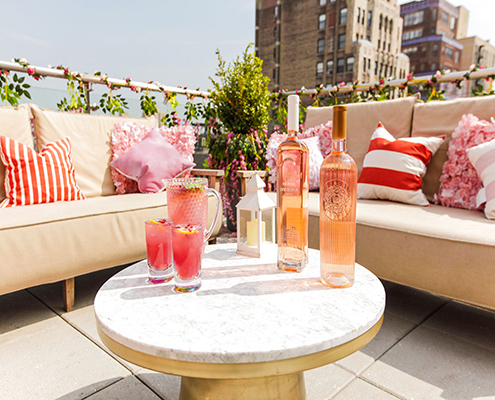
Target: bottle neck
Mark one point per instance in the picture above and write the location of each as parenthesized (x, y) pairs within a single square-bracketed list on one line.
[(339, 145), (292, 133)]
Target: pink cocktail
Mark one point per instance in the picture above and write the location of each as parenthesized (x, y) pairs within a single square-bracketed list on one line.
[(159, 250), (187, 244)]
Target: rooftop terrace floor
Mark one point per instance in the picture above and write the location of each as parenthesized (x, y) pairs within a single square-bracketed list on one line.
[(428, 348)]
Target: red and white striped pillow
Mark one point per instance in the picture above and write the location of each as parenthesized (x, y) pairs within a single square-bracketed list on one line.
[(34, 178), (393, 169)]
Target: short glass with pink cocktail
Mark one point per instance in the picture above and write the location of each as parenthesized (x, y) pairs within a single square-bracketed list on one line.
[(159, 250), (187, 202)]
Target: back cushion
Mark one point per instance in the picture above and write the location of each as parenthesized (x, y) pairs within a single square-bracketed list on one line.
[(362, 120), (91, 144), (15, 123), (441, 118)]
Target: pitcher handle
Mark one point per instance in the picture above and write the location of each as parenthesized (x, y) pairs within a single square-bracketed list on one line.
[(217, 215)]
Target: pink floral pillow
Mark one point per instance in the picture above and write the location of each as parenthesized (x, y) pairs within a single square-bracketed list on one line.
[(150, 161), (459, 182), (315, 158), (324, 134), (127, 134)]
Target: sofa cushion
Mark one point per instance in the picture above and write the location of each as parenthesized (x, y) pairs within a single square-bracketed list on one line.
[(16, 124), (437, 118), (150, 161), (34, 178), (362, 119), (91, 149), (483, 159), (393, 168), (459, 182), (127, 134)]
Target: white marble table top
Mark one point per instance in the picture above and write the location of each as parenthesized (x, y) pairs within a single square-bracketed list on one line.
[(245, 311)]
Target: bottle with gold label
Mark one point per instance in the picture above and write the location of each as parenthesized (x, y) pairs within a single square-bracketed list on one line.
[(338, 188), (292, 193)]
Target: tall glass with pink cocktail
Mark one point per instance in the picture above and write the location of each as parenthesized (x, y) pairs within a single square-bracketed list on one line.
[(159, 250), (187, 244)]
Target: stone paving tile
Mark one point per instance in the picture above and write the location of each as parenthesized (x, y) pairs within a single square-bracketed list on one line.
[(127, 388), (393, 329), (465, 322), (415, 305), (429, 364), (167, 386), (361, 390), (50, 359), (324, 382)]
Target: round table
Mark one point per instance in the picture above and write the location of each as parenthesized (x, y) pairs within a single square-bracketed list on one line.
[(249, 332)]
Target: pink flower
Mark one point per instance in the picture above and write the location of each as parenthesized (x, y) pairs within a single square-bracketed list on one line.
[(66, 71), (342, 84), (31, 71), (438, 74), (482, 66), (334, 88), (382, 81), (127, 79), (472, 66), (430, 81)]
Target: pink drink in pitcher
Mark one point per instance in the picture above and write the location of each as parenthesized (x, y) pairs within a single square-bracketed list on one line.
[(187, 244), (159, 250)]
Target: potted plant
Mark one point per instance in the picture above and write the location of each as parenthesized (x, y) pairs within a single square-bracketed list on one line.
[(239, 114)]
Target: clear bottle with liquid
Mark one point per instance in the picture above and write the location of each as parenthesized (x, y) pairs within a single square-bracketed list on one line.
[(338, 193), (292, 193)]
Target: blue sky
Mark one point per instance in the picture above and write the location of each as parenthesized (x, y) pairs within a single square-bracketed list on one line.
[(172, 42)]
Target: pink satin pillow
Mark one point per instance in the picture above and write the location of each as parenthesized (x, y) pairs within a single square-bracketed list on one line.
[(150, 161)]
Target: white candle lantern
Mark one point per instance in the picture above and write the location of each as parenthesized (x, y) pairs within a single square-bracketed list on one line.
[(255, 220)]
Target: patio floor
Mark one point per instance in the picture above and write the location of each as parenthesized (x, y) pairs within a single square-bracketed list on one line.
[(428, 348)]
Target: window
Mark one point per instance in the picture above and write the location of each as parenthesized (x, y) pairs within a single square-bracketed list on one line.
[(435, 50), (423, 51), (412, 34), (320, 46), (369, 18), (433, 66), (343, 16), (379, 44), (364, 64), (350, 64), (329, 67), (386, 23), (359, 15), (340, 65), (444, 17), (414, 18), (376, 67), (391, 25), (275, 33), (434, 14), (452, 22), (456, 56), (449, 53), (381, 22), (323, 2), (274, 73), (330, 43), (319, 68), (322, 19), (341, 41), (363, 13)]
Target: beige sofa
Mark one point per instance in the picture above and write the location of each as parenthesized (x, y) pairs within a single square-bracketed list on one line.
[(58, 241), (446, 251)]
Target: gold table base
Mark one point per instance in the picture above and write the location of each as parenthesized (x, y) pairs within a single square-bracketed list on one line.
[(280, 379)]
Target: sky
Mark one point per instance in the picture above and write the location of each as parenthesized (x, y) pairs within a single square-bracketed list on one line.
[(172, 42)]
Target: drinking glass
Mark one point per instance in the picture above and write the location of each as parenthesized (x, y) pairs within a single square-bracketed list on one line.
[(187, 202), (159, 250), (187, 245)]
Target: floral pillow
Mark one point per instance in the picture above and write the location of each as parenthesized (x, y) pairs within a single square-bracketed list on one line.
[(324, 134), (459, 182), (315, 158), (127, 134)]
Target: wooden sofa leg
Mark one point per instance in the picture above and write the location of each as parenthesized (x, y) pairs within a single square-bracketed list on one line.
[(69, 294)]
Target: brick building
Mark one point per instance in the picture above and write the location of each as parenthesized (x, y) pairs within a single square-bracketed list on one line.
[(313, 42), (432, 29)]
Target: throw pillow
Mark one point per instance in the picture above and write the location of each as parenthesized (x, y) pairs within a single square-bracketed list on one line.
[(315, 158), (324, 134), (459, 182), (393, 169), (128, 134), (150, 161), (483, 159), (34, 178)]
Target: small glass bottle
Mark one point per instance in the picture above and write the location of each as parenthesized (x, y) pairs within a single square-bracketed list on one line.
[(292, 193), (338, 187)]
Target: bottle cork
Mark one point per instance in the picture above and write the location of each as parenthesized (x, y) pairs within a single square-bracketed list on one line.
[(339, 128)]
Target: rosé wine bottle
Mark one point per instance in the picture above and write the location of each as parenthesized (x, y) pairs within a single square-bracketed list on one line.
[(338, 188), (292, 194)]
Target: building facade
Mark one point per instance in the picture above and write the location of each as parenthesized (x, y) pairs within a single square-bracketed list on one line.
[(313, 42), (431, 35), (477, 51)]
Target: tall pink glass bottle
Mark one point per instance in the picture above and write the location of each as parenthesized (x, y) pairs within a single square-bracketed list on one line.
[(292, 193), (338, 188)]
